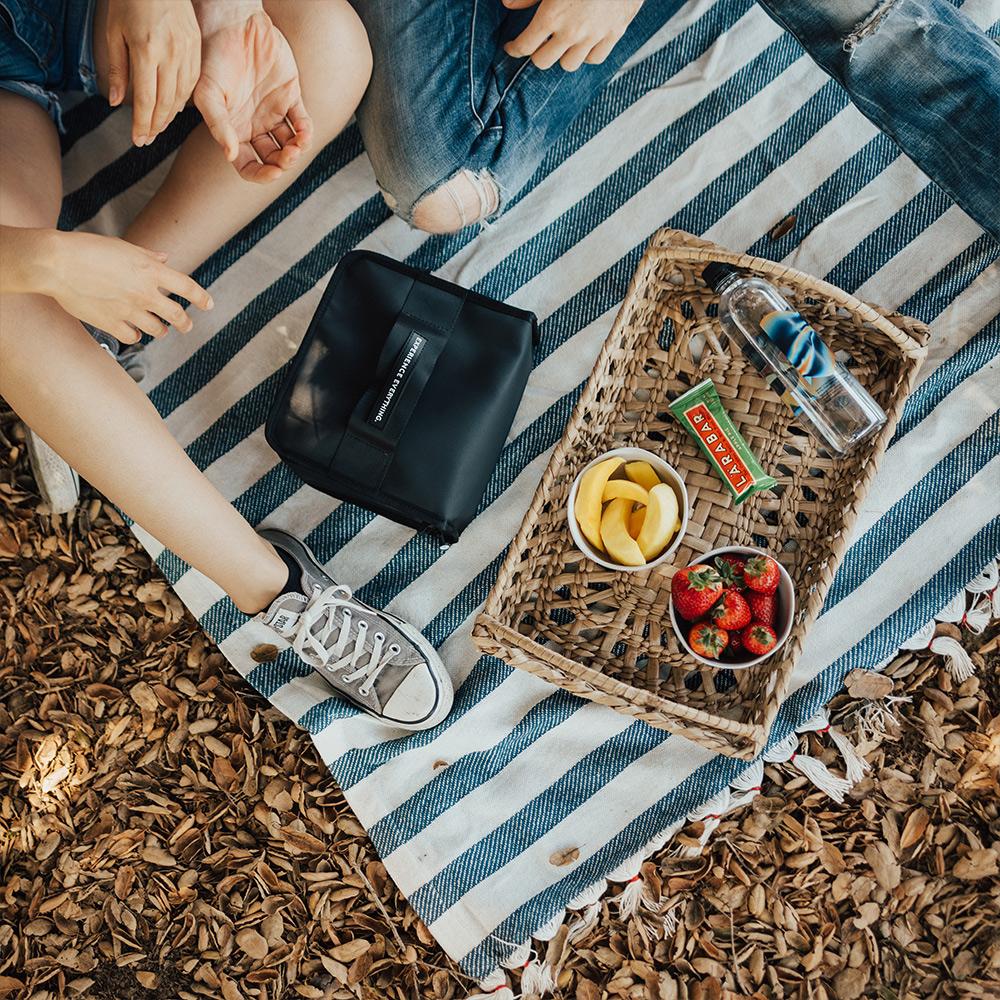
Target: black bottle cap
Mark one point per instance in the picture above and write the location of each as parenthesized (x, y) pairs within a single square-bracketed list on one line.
[(715, 273)]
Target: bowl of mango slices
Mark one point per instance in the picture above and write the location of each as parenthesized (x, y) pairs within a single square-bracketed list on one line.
[(628, 510)]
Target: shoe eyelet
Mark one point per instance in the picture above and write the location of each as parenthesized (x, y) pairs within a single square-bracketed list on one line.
[(364, 691), (362, 626), (348, 613), (394, 649), (379, 637)]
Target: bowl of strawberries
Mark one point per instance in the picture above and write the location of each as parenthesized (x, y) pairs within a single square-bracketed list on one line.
[(733, 608)]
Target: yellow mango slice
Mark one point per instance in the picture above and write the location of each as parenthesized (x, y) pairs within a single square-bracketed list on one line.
[(635, 521), (661, 522), (643, 474), (618, 543), (627, 489), (589, 498)]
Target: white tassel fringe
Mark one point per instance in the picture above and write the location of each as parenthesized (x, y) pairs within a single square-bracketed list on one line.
[(960, 664), (496, 988), (536, 980)]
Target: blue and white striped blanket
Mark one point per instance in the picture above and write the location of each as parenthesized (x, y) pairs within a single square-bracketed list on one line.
[(720, 126)]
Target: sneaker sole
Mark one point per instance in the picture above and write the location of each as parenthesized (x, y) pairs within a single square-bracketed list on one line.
[(58, 485), (303, 554)]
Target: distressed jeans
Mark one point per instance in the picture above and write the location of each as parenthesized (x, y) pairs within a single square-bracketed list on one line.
[(446, 98)]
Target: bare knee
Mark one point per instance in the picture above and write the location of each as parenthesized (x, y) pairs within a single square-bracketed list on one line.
[(467, 198), (333, 56)]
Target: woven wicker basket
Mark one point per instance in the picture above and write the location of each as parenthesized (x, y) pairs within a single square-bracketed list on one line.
[(605, 635)]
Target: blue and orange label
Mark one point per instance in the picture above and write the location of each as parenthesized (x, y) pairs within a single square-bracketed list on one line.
[(803, 346)]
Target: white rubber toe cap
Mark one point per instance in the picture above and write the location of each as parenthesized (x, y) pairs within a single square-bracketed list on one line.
[(419, 702)]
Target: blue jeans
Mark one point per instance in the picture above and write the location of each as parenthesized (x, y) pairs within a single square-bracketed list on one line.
[(445, 96), (46, 48)]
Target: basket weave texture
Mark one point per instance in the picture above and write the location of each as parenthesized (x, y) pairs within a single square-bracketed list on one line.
[(606, 635)]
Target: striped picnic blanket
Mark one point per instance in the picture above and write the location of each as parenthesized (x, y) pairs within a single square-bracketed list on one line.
[(720, 126)]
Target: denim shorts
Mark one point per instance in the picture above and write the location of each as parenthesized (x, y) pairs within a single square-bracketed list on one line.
[(46, 49)]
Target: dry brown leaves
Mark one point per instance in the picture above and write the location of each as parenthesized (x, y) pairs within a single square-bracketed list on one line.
[(165, 834)]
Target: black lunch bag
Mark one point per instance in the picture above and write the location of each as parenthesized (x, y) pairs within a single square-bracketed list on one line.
[(402, 393)]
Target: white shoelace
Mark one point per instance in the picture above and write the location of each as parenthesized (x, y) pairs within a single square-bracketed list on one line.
[(341, 655)]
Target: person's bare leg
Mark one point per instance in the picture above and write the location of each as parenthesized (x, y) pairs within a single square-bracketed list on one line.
[(91, 412), (121, 446), (203, 201)]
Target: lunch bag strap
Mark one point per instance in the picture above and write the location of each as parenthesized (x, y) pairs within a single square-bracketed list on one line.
[(411, 351)]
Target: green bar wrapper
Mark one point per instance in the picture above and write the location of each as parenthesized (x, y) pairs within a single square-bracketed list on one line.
[(701, 412)]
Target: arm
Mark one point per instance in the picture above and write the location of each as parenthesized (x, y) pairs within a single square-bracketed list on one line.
[(115, 286), (21, 251), (571, 32)]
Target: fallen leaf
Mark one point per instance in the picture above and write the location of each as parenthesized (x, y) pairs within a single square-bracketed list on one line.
[(350, 950), (913, 830), (142, 695), (47, 847), (981, 863), (782, 228), (884, 864), (868, 684), (158, 856), (254, 944), (564, 857), (299, 841)]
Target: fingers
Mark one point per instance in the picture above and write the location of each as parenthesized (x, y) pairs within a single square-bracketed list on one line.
[(146, 322), (573, 58), (602, 50), (180, 284), (550, 53), (250, 167), (117, 68), (278, 147), (171, 312), (159, 255), (123, 332), (269, 154), (301, 122), (210, 102), (143, 101), (530, 40), (166, 101)]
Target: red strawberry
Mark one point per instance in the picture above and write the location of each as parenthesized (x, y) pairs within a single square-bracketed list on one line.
[(764, 607), (731, 570), (707, 640), (759, 639), (761, 574), (731, 611), (695, 590)]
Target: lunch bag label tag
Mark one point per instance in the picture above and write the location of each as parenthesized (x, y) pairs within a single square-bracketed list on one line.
[(401, 370)]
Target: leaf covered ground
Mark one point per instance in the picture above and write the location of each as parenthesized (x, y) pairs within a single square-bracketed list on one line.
[(165, 834)]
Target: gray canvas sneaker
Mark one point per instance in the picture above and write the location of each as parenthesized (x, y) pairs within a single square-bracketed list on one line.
[(373, 659)]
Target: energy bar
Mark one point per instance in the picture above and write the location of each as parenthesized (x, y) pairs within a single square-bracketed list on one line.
[(701, 412)]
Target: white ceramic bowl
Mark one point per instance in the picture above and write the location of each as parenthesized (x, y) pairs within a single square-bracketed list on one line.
[(666, 472), (782, 626)]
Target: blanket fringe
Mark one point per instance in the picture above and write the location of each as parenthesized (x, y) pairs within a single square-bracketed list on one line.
[(872, 720)]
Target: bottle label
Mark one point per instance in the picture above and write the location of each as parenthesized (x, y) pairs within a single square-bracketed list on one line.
[(808, 355)]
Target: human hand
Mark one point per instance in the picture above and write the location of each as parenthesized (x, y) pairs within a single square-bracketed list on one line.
[(571, 32), (116, 286), (249, 92), (154, 46)]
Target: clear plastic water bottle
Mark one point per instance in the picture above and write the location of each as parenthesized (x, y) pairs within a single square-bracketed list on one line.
[(794, 360)]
